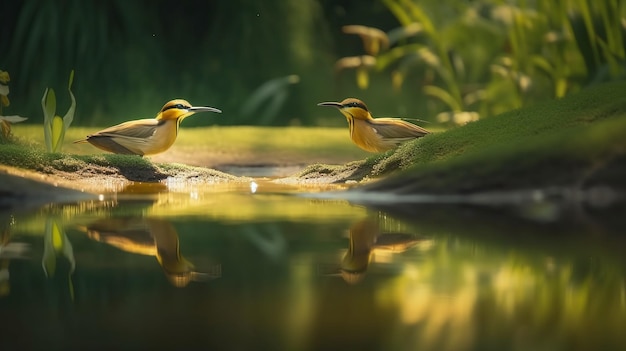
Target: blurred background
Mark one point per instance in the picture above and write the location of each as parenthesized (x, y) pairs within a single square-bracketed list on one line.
[(271, 62)]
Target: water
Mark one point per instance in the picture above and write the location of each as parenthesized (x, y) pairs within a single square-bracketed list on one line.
[(235, 267)]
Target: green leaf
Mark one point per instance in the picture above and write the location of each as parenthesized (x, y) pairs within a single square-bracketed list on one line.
[(444, 96), (397, 53), (58, 133), (399, 12), (419, 15), (48, 105), (69, 116), (611, 58), (543, 64)]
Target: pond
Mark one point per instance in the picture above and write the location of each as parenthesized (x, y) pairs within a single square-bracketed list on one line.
[(259, 266)]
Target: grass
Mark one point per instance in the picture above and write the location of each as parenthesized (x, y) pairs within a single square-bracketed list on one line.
[(494, 142), (207, 147), (210, 146), (579, 140), (581, 109)]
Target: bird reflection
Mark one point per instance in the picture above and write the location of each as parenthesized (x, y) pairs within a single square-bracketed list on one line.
[(152, 237), (365, 240)]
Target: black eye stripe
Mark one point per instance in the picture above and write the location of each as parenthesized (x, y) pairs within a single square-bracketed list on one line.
[(355, 104), (178, 106)]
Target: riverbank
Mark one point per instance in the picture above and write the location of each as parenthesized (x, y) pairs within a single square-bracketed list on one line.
[(578, 139)]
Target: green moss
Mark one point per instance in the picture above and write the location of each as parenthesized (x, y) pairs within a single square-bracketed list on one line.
[(595, 104), (574, 139), (226, 145), (196, 172), (579, 141), (535, 141)]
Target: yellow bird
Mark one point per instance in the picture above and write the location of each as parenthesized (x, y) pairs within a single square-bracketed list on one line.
[(375, 134), (146, 136)]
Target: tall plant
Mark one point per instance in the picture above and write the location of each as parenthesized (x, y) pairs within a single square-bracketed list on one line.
[(488, 56)]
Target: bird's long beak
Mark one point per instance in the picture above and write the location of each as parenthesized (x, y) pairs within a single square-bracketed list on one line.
[(330, 103), (204, 109)]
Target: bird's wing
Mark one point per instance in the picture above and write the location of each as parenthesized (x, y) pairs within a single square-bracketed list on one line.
[(395, 128), (126, 138), (142, 128), (112, 145)]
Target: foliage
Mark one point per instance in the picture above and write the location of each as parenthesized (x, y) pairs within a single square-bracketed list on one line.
[(264, 104), (55, 126), (139, 54), (466, 57), (5, 121), (486, 57)]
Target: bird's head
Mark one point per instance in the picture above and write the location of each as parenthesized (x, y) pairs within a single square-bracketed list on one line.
[(351, 108), (179, 109)]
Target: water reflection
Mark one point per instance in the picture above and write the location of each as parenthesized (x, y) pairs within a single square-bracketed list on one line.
[(9, 250), (153, 237), (56, 243), (365, 241), (428, 278)]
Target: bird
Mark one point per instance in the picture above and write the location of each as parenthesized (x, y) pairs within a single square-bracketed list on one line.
[(146, 136), (375, 134)]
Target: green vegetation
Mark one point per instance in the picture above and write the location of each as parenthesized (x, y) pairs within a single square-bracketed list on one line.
[(579, 141), (132, 168), (488, 57), (55, 126), (266, 145), (436, 61)]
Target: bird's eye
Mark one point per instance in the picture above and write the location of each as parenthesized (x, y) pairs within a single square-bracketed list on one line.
[(177, 106), (356, 104)]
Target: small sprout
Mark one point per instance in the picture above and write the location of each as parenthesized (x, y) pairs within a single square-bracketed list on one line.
[(55, 126)]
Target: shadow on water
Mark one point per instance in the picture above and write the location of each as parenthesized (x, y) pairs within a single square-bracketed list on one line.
[(241, 267)]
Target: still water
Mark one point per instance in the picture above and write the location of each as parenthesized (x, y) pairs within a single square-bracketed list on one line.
[(241, 267)]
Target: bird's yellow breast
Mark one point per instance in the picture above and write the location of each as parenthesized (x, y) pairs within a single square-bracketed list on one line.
[(163, 137), (366, 137)]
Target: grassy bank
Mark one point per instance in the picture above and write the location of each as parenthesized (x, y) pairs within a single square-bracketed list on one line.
[(215, 146), (577, 141)]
